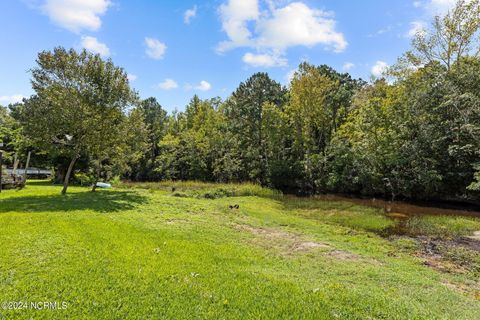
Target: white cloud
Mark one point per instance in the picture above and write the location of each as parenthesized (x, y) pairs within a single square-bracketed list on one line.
[(168, 84), (416, 27), (203, 86), (440, 7), (76, 15), (155, 48), (264, 60), (131, 77), (437, 7), (11, 99), (274, 30), (189, 14), (93, 45), (348, 66), (235, 15), (298, 25), (379, 68)]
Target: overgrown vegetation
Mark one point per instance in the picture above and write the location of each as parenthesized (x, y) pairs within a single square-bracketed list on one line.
[(140, 253), (204, 189), (442, 226)]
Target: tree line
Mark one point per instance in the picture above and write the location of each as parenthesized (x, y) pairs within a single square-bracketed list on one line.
[(413, 134)]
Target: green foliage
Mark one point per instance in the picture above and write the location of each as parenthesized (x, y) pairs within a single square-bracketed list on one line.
[(7, 132), (155, 121), (11, 134), (320, 99), (245, 123), (190, 146), (451, 37), (418, 138), (79, 110), (475, 186)]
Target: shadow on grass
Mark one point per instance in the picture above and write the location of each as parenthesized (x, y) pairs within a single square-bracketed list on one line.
[(40, 182), (102, 201)]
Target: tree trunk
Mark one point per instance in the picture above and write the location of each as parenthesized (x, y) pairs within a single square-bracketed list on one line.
[(60, 172), (94, 187), (67, 175), (26, 166)]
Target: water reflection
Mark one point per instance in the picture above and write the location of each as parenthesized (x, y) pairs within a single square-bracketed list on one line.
[(403, 210)]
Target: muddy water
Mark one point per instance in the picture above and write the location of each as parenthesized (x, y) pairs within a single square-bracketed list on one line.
[(399, 209)]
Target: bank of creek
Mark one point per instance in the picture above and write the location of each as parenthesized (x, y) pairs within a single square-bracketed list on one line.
[(446, 238)]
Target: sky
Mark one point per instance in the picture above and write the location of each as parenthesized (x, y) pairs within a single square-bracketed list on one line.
[(174, 49)]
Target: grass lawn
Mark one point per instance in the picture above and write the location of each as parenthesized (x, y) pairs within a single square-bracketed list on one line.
[(149, 252)]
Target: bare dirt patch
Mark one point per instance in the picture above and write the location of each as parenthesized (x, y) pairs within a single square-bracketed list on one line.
[(290, 243), (344, 255), (459, 255), (308, 245), (440, 264), (287, 242), (453, 256), (267, 232), (472, 243)]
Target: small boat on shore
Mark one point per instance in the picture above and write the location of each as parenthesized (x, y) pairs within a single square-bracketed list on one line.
[(103, 185)]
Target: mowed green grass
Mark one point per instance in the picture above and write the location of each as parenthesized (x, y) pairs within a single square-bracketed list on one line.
[(147, 254)]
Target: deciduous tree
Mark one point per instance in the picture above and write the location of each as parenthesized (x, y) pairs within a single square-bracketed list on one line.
[(78, 106)]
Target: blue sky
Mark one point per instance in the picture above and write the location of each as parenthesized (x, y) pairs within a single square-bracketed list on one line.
[(175, 49)]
